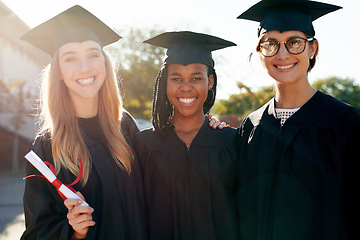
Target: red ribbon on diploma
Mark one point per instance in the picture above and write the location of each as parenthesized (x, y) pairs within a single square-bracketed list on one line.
[(57, 183)]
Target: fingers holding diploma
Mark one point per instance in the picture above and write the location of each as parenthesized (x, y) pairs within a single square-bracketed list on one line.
[(79, 216)]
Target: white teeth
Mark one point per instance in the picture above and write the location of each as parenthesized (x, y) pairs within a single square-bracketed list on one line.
[(285, 67), (187, 100), (85, 81)]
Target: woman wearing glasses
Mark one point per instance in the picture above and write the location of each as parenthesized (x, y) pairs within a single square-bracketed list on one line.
[(299, 149)]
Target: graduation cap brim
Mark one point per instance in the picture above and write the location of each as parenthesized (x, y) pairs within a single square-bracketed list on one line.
[(286, 15), (185, 47), (75, 24)]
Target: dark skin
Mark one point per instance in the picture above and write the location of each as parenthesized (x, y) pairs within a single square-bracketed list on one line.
[(187, 88)]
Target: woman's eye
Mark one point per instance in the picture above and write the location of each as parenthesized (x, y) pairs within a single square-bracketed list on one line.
[(70, 59), (272, 45), (269, 44), (95, 55), (294, 43)]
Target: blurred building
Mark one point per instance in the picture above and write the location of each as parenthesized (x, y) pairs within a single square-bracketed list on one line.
[(20, 66)]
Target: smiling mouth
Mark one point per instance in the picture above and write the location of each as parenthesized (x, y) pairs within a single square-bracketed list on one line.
[(285, 67), (85, 81), (187, 100)]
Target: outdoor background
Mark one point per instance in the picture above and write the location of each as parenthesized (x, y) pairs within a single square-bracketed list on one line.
[(241, 87)]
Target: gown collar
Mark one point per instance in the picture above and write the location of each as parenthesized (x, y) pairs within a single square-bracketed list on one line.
[(206, 137), (320, 110), (91, 131)]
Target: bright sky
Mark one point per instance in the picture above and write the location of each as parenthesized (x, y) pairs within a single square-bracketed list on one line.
[(338, 33)]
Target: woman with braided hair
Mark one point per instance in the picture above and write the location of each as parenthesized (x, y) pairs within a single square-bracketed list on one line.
[(162, 107), (189, 170)]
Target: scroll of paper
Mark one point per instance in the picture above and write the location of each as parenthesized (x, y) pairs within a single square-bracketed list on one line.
[(46, 172)]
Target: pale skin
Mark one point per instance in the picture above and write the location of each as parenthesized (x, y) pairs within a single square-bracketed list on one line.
[(79, 217), (290, 71), (82, 67)]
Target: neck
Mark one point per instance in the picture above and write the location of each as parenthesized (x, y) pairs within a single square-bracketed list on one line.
[(293, 95), (86, 108), (187, 128), (188, 123)]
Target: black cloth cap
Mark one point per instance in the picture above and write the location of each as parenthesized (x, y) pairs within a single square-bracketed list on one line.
[(75, 24), (186, 47), (287, 15)]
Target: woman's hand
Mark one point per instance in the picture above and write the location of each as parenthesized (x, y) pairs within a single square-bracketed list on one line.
[(215, 123), (79, 217)]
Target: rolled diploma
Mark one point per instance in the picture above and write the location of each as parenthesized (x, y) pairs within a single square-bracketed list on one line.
[(46, 172)]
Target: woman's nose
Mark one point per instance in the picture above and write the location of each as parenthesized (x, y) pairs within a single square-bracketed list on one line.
[(283, 52), (84, 65), (186, 86)]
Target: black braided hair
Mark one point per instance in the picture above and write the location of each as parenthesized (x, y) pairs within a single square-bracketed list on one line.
[(162, 109), (211, 96)]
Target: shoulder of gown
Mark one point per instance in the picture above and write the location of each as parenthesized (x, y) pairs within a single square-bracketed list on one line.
[(41, 198), (148, 140), (209, 137), (321, 110), (128, 126)]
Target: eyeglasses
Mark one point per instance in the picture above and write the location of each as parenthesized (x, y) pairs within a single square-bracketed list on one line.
[(296, 45)]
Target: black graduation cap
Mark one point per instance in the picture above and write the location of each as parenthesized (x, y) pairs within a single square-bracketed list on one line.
[(75, 24), (185, 47), (287, 15)]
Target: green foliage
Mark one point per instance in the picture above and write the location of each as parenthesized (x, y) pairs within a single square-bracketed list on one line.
[(139, 64), (245, 102), (345, 90)]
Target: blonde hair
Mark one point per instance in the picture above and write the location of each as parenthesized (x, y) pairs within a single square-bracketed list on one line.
[(58, 119)]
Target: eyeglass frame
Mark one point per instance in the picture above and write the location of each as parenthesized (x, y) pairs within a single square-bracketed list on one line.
[(310, 39)]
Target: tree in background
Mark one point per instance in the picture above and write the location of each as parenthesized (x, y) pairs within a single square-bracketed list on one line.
[(138, 65), (16, 101), (245, 102), (248, 101), (345, 90)]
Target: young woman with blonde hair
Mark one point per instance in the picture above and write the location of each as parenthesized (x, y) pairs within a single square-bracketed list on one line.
[(85, 135)]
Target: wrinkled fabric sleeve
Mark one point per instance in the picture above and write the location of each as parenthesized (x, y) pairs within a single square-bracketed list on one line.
[(134, 211), (45, 212)]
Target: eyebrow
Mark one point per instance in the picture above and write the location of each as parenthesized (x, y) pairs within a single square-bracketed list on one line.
[(292, 37), (88, 50), (193, 74)]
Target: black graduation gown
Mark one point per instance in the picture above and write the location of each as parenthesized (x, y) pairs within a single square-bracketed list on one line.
[(190, 195), (297, 181), (117, 198)]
